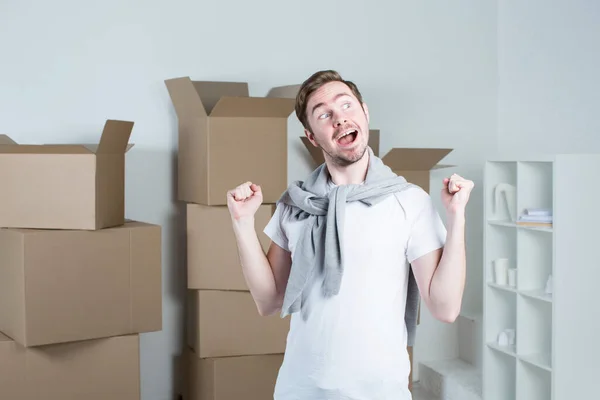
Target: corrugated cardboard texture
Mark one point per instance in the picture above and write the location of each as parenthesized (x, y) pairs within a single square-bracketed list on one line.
[(230, 378), (90, 370), (59, 286), (227, 323), (213, 260), (227, 138), (65, 186)]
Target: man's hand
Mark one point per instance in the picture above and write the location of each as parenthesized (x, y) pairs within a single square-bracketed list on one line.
[(455, 193), (244, 201)]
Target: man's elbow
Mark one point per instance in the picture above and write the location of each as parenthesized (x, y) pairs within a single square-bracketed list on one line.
[(448, 315), (447, 318), (267, 311), (269, 308)]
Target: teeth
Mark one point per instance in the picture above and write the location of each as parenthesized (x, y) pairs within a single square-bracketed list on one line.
[(346, 134)]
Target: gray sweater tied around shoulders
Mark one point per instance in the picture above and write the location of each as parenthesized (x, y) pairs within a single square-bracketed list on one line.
[(319, 247)]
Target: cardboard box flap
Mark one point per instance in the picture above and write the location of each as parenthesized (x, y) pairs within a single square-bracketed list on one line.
[(5, 139), (198, 98), (113, 141), (415, 159), (261, 107), (43, 149), (442, 166), (284, 92), (115, 137), (93, 148), (211, 92), (185, 98)]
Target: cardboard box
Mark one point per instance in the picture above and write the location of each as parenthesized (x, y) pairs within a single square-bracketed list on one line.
[(93, 370), (227, 323), (61, 285), (227, 138), (230, 378), (66, 186), (213, 260)]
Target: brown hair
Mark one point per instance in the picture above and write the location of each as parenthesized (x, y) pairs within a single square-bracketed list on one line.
[(314, 82)]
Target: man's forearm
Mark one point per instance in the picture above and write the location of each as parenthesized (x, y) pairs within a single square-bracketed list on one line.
[(448, 282), (255, 265)]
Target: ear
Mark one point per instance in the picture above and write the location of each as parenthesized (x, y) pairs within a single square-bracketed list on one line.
[(366, 110), (310, 137)]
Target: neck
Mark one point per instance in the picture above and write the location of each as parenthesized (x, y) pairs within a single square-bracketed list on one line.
[(354, 173)]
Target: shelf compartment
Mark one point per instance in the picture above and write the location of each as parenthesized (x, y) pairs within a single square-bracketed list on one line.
[(498, 172), (535, 188), (534, 333), (533, 383), (542, 361), (500, 381), (534, 262), (509, 350), (501, 314), (537, 295), (505, 246)]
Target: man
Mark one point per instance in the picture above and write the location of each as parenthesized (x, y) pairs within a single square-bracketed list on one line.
[(343, 243)]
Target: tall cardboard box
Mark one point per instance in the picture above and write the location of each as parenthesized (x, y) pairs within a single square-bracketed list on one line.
[(92, 370), (212, 256), (61, 286), (230, 378), (414, 164), (227, 138), (65, 186)]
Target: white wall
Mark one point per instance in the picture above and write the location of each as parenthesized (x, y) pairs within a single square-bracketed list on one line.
[(549, 85), (69, 65)]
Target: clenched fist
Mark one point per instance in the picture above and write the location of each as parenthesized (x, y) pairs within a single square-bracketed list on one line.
[(244, 200), (456, 193)]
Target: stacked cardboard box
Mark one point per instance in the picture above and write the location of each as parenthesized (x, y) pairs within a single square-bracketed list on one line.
[(227, 138), (78, 282), (414, 164)]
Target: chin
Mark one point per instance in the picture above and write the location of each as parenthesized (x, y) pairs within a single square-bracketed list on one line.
[(345, 158)]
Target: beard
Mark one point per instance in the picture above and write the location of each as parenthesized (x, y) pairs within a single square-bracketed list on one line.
[(343, 158)]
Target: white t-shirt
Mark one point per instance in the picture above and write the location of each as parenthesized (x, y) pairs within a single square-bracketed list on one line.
[(353, 345)]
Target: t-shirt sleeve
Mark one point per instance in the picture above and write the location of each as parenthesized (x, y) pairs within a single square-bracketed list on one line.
[(428, 232), (275, 228)]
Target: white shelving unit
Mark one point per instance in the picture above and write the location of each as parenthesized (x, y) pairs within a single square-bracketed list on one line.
[(556, 351)]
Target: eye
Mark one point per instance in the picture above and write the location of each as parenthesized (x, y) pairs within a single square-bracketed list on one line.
[(322, 116), (346, 105)]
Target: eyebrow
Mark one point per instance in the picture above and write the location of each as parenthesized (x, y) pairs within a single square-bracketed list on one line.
[(337, 96)]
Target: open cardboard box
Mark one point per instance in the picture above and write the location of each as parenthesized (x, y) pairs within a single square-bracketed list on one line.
[(227, 138), (65, 186), (414, 164)]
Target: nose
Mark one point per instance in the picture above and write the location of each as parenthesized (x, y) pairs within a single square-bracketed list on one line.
[(340, 120)]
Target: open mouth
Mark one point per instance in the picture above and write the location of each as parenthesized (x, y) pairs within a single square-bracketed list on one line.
[(347, 137)]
